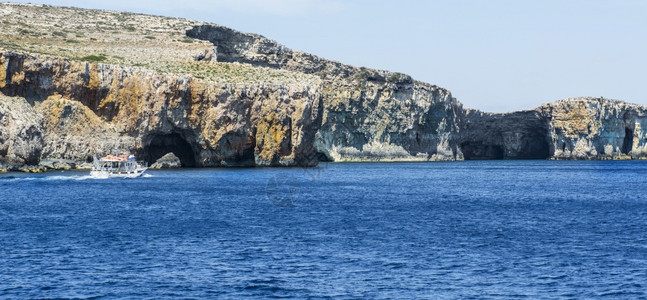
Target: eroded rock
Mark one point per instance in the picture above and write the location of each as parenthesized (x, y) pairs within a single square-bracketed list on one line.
[(95, 109), (168, 161), (596, 128), (21, 133), (576, 128)]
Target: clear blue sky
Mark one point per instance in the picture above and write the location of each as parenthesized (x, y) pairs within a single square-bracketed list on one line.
[(496, 55)]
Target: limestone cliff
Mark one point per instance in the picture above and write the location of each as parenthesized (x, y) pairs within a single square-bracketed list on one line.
[(517, 135), (577, 128), (95, 109), (225, 99), (367, 114), (596, 128), (111, 82), (21, 140), (386, 121)]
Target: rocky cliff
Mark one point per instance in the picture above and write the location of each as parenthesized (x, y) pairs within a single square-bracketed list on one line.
[(94, 109), (517, 135), (367, 114), (214, 96), (21, 133), (595, 128), (577, 128)]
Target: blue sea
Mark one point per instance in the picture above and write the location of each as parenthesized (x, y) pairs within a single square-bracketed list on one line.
[(474, 229)]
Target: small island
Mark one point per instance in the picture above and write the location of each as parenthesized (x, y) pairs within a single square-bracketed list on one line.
[(113, 82)]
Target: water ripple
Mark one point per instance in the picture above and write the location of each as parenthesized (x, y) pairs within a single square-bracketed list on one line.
[(499, 230)]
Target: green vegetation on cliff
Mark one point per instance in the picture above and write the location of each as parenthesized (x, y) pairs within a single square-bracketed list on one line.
[(126, 39)]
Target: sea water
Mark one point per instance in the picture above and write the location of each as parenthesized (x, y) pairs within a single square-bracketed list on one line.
[(478, 229)]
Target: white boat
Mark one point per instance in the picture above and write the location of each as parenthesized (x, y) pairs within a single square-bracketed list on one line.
[(118, 167)]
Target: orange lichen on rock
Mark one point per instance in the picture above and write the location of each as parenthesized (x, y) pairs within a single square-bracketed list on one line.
[(3, 72), (272, 137), (578, 120), (18, 78), (131, 95), (93, 76), (69, 116)]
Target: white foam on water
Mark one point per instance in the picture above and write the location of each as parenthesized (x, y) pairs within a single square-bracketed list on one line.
[(52, 178), (13, 179), (59, 177), (86, 177), (67, 178), (45, 177)]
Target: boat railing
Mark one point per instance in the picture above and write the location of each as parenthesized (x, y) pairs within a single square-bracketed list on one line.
[(118, 166), (112, 166)]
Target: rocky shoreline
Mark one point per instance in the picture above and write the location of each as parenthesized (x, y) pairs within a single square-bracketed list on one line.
[(58, 112)]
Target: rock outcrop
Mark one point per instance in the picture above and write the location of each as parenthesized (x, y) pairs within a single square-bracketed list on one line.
[(577, 128), (387, 121), (368, 115), (234, 46), (168, 161), (596, 128), (95, 109), (21, 133)]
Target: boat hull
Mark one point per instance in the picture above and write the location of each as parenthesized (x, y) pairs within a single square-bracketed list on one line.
[(116, 174), (118, 167)]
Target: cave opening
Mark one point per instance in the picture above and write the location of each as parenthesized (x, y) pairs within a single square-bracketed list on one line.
[(323, 157), (535, 146), (481, 151), (162, 144), (628, 141), (531, 146)]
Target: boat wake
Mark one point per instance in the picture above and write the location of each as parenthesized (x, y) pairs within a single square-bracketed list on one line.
[(57, 178), (49, 178)]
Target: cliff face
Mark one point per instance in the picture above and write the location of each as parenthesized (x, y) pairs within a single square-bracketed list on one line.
[(21, 139), (518, 135), (95, 109), (595, 128), (225, 99), (579, 128), (368, 115), (389, 122), (214, 96)]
